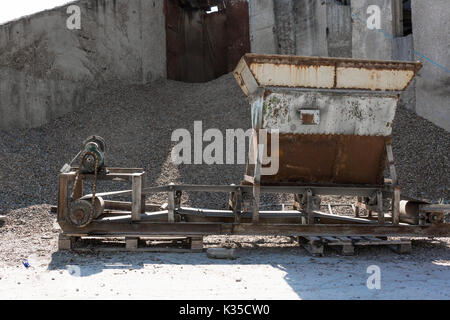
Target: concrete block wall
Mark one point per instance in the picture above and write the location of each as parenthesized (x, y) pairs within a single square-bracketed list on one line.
[(371, 44), (288, 27), (403, 50), (311, 27), (47, 70), (339, 29), (262, 27)]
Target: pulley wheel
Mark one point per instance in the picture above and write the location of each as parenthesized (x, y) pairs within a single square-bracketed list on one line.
[(80, 213), (88, 163), (98, 140), (99, 207)]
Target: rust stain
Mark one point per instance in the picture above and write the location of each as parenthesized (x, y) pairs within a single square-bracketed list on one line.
[(329, 159), (307, 118), (336, 62)]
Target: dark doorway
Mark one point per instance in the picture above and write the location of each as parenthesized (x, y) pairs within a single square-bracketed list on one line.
[(205, 38)]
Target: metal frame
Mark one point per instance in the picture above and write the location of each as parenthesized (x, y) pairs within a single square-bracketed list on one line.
[(170, 219)]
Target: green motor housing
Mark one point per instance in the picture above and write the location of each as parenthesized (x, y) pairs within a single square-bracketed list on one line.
[(93, 147)]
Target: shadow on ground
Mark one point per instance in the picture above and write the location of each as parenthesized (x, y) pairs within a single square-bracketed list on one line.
[(422, 274)]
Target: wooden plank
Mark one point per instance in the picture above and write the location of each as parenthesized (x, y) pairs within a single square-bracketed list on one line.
[(331, 239), (348, 250), (403, 248), (196, 243), (345, 239), (375, 239), (158, 228), (313, 245), (131, 244), (65, 242)]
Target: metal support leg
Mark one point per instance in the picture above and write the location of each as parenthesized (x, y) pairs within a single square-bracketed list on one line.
[(380, 207), (256, 177), (136, 197), (310, 206), (396, 195), (171, 206)]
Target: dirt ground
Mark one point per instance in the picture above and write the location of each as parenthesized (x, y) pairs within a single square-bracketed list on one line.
[(265, 268)]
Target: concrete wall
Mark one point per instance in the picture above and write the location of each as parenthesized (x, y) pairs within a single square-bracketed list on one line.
[(311, 27), (403, 50), (288, 27), (262, 27), (47, 70), (371, 44), (285, 19), (431, 25), (339, 29)]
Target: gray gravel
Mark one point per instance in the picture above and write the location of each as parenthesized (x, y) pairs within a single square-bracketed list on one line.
[(137, 122)]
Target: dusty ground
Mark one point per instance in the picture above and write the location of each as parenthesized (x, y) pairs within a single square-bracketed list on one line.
[(137, 122), (265, 268)]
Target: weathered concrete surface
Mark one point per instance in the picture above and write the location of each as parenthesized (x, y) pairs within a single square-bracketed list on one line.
[(311, 27), (403, 50), (262, 26), (339, 29), (47, 70), (285, 19), (371, 44), (431, 25), (295, 27)]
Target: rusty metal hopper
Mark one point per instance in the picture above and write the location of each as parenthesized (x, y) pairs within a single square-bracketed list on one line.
[(334, 115)]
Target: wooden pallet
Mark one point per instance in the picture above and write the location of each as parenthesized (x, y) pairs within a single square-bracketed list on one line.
[(346, 245), (131, 244)]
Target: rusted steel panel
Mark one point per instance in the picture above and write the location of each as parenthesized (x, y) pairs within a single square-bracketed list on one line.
[(373, 79), (329, 159), (238, 31), (331, 73), (293, 76), (201, 46)]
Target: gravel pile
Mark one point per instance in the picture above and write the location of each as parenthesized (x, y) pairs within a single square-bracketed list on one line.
[(30, 231), (422, 157), (137, 123)]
